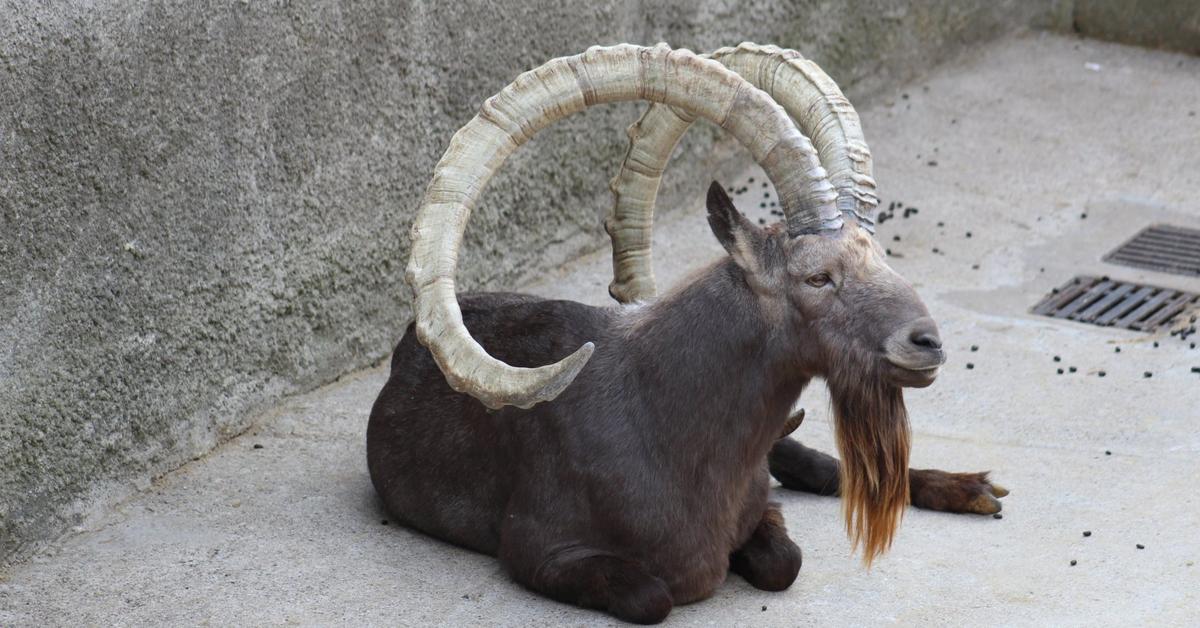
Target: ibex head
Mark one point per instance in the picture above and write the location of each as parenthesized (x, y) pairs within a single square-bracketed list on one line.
[(837, 293)]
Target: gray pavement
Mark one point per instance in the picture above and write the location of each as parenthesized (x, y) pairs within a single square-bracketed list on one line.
[(1028, 135)]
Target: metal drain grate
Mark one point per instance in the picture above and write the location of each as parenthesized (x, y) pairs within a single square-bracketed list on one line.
[(1164, 248), (1111, 303)]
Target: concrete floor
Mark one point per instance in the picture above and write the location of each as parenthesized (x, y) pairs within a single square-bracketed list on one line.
[(1027, 137)]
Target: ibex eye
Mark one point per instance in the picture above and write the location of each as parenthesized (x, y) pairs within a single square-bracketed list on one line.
[(818, 280)]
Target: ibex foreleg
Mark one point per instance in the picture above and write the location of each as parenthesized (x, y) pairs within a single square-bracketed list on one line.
[(769, 560), (805, 469)]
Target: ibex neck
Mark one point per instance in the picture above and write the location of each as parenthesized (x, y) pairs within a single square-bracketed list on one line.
[(711, 368)]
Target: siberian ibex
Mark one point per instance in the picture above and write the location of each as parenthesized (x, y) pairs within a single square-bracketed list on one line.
[(631, 473)]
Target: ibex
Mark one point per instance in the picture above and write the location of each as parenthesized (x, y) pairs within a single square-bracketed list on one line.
[(631, 473)]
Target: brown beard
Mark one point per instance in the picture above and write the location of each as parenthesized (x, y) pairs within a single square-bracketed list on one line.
[(873, 442)]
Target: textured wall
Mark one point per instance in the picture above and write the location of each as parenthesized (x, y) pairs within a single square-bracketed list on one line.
[(204, 204), (1173, 24)]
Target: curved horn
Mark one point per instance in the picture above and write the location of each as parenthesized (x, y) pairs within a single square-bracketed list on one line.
[(563, 86), (809, 96)]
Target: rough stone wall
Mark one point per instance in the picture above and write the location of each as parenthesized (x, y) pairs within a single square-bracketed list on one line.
[(204, 205), (1172, 24)]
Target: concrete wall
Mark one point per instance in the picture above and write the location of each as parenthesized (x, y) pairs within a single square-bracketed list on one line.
[(1172, 24), (204, 205)]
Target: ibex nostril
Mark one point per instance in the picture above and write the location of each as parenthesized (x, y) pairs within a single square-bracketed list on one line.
[(925, 339)]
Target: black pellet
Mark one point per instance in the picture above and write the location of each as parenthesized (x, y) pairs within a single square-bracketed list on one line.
[(1073, 562), (1117, 350), (941, 224), (762, 205), (935, 250), (1140, 546), (970, 366), (764, 608), (997, 516), (895, 238), (1057, 359), (1060, 371), (257, 446), (1155, 344), (888, 252), (974, 266), (764, 184), (1083, 216), (384, 522), (974, 347), (1107, 452), (931, 163), (766, 195), (904, 96), (762, 221), (1196, 369), (1101, 373), (1071, 369), (968, 234), (1087, 532), (1147, 374), (750, 180)]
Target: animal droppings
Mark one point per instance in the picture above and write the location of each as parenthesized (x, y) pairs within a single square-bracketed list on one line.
[(1117, 350), (1155, 344), (764, 608), (1083, 216), (931, 163), (1101, 373), (1073, 562), (257, 446), (1107, 452), (970, 366), (1140, 546), (974, 347), (1087, 532), (1071, 369), (935, 250), (762, 221), (384, 522), (1147, 374), (1196, 369), (974, 266), (750, 180), (997, 516), (1057, 358), (968, 234), (895, 238), (1060, 371), (762, 205), (941, 224)]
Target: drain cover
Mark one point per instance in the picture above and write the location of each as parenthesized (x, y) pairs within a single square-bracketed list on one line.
[(1111, 303), (1164, 248)]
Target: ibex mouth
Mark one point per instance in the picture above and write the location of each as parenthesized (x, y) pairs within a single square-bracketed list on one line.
[(915, 376)]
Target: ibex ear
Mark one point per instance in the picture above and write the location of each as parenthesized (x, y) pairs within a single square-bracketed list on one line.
[(734, 231)]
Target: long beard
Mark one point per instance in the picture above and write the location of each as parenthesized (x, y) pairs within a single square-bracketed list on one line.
[(873, 441)]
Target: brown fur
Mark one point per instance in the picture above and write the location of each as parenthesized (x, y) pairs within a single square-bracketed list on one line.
[(872, 430)]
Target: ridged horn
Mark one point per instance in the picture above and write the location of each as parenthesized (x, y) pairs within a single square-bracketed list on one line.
[(810, 97), (536, 99)]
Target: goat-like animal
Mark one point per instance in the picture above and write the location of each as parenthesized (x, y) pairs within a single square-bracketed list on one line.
[(632, 475)]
